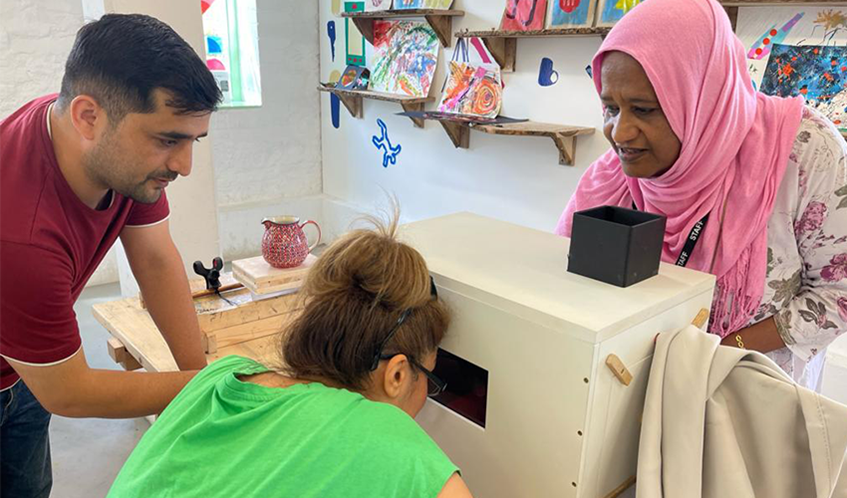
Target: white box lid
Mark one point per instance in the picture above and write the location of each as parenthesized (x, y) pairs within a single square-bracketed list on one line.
[(524, 271)]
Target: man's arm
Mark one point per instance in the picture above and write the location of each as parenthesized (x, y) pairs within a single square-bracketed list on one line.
[(72, 389), (158, 268)]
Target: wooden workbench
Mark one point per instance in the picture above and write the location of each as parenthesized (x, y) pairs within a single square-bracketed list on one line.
[(250, 328)]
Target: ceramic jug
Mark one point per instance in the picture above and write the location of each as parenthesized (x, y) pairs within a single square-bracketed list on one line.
[(284, 244)]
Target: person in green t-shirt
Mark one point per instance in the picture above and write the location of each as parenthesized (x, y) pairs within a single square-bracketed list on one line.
[(337, 419)]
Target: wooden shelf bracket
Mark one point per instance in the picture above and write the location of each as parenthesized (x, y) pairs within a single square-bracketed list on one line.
[(459, 133), (352, 100), (503, 45), (504, 51), (567, 148), (353, 104), (440, 20)]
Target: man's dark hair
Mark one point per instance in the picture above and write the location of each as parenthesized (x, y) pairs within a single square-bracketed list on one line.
[(121, 58)]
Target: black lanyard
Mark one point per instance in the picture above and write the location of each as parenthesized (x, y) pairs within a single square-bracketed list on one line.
[(691, 242)]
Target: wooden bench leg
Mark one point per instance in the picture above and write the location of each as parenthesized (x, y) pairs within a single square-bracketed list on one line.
[(118, 352)]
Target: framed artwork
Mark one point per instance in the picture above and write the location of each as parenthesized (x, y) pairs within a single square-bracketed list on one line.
[(422, 4), (610, 12), (377, 5), (524, 15), (572, 13)]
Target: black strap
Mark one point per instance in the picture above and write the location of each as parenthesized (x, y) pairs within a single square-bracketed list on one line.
[(691, 242)]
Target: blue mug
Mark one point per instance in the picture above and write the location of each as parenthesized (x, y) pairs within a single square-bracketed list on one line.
[(547, 76)]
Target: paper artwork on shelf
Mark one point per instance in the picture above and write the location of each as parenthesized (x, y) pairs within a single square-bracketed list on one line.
[(406, 56), (377, 5), (422, 4), (611, 11), (572, 13), (524, 15), (818, 73), (474, 86), (797, 50)]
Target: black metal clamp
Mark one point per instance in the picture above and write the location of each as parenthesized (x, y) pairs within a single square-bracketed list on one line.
[(212, 275)]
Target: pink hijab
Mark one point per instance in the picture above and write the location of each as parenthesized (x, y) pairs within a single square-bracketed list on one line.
[(735, 148)]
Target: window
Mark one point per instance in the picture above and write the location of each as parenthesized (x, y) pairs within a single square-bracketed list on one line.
[(232, 50)]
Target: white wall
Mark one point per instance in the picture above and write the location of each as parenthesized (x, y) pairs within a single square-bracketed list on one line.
[(35, 39), (516, 179), (267, 160)]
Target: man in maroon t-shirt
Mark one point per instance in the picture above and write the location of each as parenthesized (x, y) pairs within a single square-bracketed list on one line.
[(76, 173)]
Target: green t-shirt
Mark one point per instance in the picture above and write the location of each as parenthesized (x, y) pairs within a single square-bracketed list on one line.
[(221, 437)]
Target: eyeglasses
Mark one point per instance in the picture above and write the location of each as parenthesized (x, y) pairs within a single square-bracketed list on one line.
[(436, 385)]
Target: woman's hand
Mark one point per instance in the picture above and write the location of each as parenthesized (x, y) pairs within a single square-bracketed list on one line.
[(762, 337)]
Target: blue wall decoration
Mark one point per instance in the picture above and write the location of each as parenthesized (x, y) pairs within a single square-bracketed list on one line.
[(389, 152), (547, 76)]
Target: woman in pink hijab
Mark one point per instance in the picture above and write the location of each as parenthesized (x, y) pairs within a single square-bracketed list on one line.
[(762, 179)]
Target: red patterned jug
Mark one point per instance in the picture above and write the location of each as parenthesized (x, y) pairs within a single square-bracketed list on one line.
[(284, 244)]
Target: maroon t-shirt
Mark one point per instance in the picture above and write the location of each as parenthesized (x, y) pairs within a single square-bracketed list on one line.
[(50, 243)]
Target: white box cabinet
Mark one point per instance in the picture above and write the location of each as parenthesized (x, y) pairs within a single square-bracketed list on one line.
[(558, 423)]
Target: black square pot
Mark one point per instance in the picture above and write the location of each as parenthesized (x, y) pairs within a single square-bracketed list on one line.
[(616, 245)]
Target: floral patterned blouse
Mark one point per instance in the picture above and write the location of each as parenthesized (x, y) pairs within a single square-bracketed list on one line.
[(806, 288)]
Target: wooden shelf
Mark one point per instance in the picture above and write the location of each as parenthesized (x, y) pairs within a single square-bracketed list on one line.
[(731, 6), (503, 44), (441, 21), (352, 100), (754, 3), (564, 137)]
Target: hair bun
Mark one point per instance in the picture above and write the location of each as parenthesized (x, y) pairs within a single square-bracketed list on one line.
[(390, 273)]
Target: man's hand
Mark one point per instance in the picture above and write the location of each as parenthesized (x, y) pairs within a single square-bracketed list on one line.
[(157, 266), (72, 389)]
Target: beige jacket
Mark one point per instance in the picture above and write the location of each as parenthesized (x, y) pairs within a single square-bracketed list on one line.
[(722, 422)]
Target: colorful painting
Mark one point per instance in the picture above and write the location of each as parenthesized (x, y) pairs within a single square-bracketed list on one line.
[(612, 11), (355, 40), (422, 4), (572, 13), (762, 47), (376, 5), (473, 86), (831, 23), (472, 90), (406, 55), (524, 15), (818, 73)]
